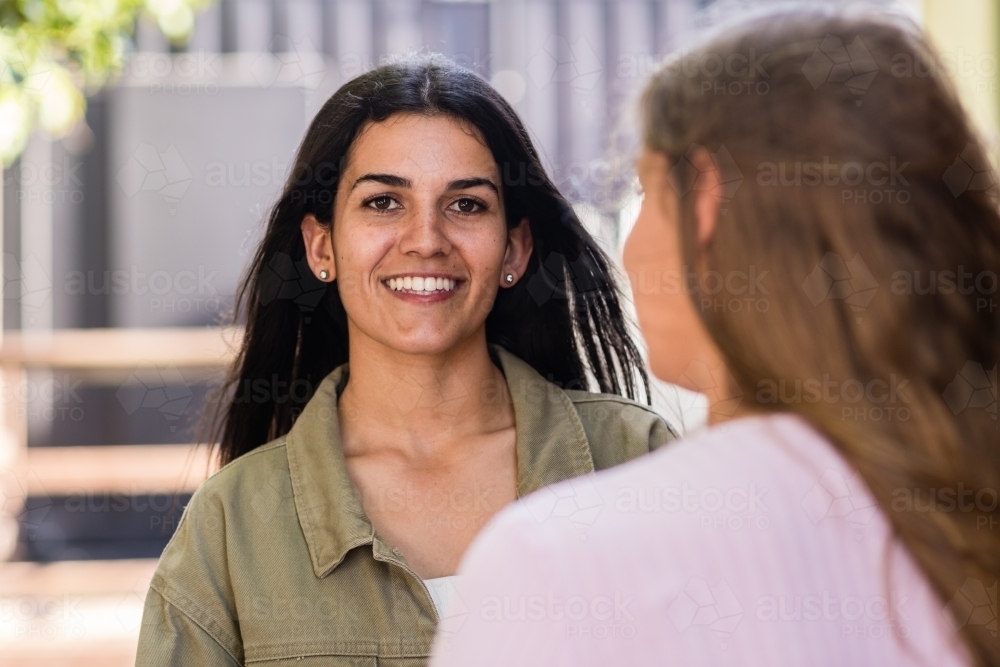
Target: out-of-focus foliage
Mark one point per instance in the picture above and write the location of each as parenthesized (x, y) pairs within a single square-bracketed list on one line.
[(52, 51)]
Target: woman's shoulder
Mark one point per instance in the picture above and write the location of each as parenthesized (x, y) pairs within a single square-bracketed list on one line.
[(619, 429), (765, 446), (234, 501), (761, 481), (246, 474), (227, 517), (601, 407), (716, 525)]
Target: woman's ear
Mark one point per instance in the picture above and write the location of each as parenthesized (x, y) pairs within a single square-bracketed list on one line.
[(707, 191), (519, 248), (319, 248)]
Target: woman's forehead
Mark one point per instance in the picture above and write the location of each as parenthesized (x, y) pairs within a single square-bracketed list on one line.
[(418, 145)]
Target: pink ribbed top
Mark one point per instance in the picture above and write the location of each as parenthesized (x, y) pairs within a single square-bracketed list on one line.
[(751, 543)]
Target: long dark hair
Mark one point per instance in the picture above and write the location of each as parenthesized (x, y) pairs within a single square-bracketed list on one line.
[(563, 317), (869, 329)]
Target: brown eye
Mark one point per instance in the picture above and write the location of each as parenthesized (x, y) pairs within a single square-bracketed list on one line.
[(382, 203), (466, 205)]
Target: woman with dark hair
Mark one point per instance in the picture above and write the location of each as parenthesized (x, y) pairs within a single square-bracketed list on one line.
[(847, 513), (419, 239)]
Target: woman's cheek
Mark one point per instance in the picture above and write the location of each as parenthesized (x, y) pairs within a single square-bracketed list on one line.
[(482, 253), (651, 257), (358, 256)]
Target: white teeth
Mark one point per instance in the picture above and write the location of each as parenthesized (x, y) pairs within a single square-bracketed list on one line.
[(427, 285)]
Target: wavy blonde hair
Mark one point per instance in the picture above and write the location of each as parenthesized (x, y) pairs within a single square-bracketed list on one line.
[(848, 253)]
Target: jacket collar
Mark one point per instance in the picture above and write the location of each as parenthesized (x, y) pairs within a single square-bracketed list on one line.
[(551, 446)]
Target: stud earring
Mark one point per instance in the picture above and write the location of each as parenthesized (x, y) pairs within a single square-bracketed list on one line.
[(324, 274), (509, 278)]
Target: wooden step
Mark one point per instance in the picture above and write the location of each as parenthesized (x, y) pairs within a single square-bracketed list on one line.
[(129, 469), (118, 348), (76, 577), (48, 653), (72, 613)]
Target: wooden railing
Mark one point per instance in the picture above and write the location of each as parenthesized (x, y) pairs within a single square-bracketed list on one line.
[(108, 468), (120, 348), (111, 591), (127, 469)]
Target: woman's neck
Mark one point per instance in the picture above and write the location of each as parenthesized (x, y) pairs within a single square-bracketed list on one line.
[(421, 407)]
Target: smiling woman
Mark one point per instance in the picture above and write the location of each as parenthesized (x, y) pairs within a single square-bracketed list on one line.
[(421, 210), (488, 357)]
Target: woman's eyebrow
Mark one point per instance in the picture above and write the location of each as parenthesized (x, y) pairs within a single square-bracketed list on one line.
[(386, 179), (400, 182), (463, 183)]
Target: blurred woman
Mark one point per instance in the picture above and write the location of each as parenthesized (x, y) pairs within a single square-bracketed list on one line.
[(845, 511), (419, 239)]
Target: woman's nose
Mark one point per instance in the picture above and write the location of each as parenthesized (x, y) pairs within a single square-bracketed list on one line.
[(425, 233)]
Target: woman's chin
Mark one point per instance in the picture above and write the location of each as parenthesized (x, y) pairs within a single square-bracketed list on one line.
[(425, 344)]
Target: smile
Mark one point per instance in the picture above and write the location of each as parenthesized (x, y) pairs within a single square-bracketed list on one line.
[(421, 284)]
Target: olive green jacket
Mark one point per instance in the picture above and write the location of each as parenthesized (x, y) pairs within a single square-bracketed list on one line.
[(275, 563)]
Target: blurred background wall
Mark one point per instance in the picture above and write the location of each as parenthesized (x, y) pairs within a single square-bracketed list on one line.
[(146, 215)]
